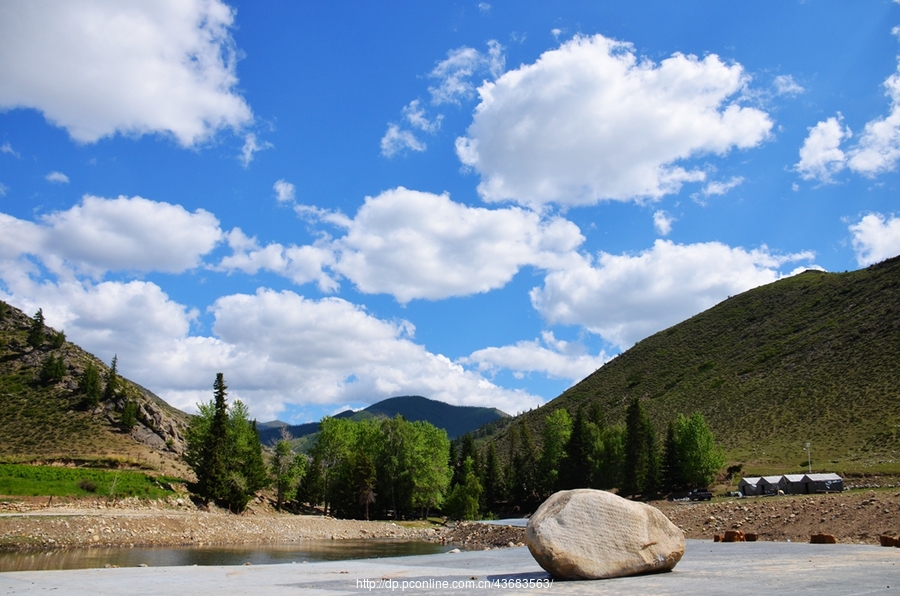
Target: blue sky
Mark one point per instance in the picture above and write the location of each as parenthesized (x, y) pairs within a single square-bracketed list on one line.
[(334, 203)]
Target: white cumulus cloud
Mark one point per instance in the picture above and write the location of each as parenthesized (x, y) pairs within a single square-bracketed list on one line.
[(878, 149), (555, 358), (662, 222), (413, 244), (122, 234), (821, 156), (300, 264), (285, 192), (101, 67), (590, 121), (876, 238), (625, 298), (57, 178)]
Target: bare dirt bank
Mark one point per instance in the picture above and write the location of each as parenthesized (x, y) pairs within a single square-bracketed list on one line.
[(175, 523), (854, 517)]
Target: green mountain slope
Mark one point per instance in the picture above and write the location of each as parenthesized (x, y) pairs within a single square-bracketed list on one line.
[(814, 357), (456, 420), (49, 421)]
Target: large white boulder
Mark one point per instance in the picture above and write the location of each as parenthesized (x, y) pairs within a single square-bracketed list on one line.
[(593, 534)]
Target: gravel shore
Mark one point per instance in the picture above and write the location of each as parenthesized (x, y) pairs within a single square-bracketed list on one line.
[(858, 517)]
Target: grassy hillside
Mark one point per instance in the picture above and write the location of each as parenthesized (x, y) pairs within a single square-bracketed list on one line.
[(456, 420), (814, 357), (50, 421)]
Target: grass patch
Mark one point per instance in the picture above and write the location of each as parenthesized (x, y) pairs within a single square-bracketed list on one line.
[(18, 479)]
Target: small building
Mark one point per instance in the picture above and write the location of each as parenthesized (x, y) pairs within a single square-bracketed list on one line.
[(796, 484), (824, 483), (770, 485), (749, 486)]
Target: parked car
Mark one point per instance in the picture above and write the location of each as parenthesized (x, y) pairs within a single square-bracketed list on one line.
[(700, 494)]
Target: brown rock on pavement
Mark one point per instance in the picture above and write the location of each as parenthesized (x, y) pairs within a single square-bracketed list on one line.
[(592, 534), (822, 539)]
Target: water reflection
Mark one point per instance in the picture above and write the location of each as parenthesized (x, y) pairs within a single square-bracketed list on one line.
[(257, 554)]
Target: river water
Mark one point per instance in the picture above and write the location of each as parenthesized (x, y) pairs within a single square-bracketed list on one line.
[(256, 554)]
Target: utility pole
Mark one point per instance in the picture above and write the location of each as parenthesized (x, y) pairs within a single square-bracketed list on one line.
[(808, 458)]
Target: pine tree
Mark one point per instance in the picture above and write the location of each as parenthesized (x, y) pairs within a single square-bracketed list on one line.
[(575, 468), (129, 415), (53, 370), (112, 380), (212, 477), (671, 469), (493, 481), (36, 331), (89, 385), (642, 465)]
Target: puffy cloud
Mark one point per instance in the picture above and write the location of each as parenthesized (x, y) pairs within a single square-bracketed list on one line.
[(589, 121), (330, 351), (717, 187), (135, 320), (57, 178), (285, 192), (97, 68), (550, 356), (123, 234), (876, 238), (662, 222), (625, 298), (821, 156), (300, 264), (878, 149), (413, 244)]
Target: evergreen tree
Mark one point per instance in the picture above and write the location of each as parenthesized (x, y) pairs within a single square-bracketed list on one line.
[(576, 466), (52, 370), (89, 386), (4, 310), (642, 465), (493, 481), (287, 469), (247, 470), (467, 449), (462, 502), (671, 469), (112, 380), (609, 458), (57, 340), (524, 487), (129, 415), (36, 331), (208, 445)]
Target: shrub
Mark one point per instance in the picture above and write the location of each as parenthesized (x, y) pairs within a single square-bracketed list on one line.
[(87, 485)]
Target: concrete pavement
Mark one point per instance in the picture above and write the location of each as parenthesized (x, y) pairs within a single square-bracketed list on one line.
[(707, 568)]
